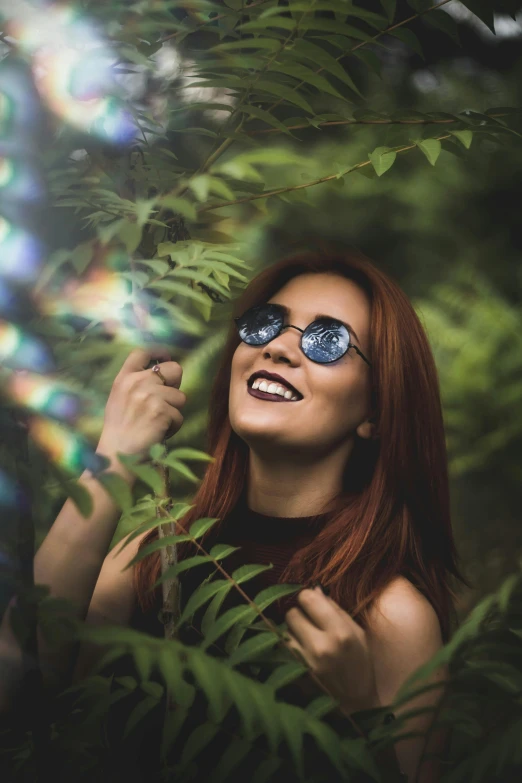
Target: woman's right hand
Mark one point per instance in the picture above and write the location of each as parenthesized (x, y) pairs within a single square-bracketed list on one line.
[(141, 410)]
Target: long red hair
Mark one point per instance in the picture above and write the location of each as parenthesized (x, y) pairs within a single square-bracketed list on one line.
[(393, 516)]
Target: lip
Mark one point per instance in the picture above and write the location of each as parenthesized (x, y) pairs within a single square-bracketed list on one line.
[(269, 397), (274, 377)]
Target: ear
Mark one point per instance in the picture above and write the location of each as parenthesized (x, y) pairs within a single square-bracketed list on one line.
[(367, 429)]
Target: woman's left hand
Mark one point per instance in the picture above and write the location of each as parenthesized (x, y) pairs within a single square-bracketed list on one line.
[(336, 649)]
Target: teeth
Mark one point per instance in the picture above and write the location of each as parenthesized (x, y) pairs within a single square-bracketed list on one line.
[(273, 388)]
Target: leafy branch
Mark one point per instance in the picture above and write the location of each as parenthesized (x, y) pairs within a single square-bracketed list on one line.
[(328, 177)]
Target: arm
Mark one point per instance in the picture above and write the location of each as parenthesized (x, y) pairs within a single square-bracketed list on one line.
[(404, 634), (69, 560), (112, 603)]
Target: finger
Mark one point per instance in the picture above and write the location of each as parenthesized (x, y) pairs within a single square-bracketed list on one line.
[(302, 629), (319, 608), (140, 358), (294, 645), (172, 396), (171, 371)]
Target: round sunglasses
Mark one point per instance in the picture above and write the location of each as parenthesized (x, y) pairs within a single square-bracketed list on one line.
[(323, 341)]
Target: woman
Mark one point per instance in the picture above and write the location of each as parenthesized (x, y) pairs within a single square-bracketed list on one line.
[(357, 456)]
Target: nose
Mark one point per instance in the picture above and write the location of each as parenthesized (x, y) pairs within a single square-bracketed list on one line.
[(283, 348)]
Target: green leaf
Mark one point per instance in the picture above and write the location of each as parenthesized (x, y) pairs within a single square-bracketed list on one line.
[(155, 546), (464, 136), (270, 594), (285, 674), (219, 701), (226, 621), (265, 116), (444, 22), (234, 754), (307, 75), (167, 284), (389, 7), (246, 572), (190, 453), (246, 43), (157, 266), (320, 706), (182, 469), (293, 734), (382, 159), (130, 235), (282, 91), (200, 526), (408, 38), (171, 669), (149, 476), (484, 9), (318, 56), (213, 609), (431, 149), (199, 277), (220, 551), (183, 565), (172, 725), (202, 594), (370, 59), (198, 740), (252, 648), (334, 26), (81, 498), (117, 488), (181, 205), (266, 770), (327, 739), (138, 713)]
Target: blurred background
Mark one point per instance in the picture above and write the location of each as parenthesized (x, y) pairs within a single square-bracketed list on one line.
[(449, 234)]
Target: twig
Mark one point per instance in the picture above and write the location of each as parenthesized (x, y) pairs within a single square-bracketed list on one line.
[(306, 184)]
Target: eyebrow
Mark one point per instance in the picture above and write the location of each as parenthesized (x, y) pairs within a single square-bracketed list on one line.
[(324, 315)]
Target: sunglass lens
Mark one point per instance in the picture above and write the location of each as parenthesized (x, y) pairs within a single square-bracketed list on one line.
[(325, 341), (259, 325)]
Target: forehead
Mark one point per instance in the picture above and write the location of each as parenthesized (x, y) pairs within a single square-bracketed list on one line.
[(331, 294)]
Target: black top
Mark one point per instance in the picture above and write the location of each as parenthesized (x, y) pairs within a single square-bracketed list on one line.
[(262, 539)]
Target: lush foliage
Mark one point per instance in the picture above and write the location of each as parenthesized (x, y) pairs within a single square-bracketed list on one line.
[(159, 221)]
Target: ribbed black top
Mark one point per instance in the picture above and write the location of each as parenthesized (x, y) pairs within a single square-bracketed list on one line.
[(261, 539)]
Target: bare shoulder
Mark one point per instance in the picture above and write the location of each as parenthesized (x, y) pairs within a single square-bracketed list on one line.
[(402, 609)]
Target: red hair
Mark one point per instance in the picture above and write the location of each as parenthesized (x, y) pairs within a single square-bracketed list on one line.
[(393, 516)]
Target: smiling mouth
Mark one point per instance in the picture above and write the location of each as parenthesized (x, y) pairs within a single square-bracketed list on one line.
[(261, 395)]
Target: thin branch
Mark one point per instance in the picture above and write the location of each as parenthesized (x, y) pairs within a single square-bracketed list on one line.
[(306, 184), (364, 122)]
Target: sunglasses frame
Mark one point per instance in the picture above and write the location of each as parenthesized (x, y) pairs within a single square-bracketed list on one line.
[(283, 326)]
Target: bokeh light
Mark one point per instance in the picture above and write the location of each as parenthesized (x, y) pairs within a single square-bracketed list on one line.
[(20, 180), (20, 351), (63, 447), (44, 396), (21, 253), (73, 69)]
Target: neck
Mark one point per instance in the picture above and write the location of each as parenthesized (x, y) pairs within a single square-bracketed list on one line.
[(283, 488)]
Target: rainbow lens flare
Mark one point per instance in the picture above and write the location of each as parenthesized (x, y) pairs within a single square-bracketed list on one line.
[(21, 253), (66, 449), (73, 69), (44, 396), (20, 181), (22, 352)]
